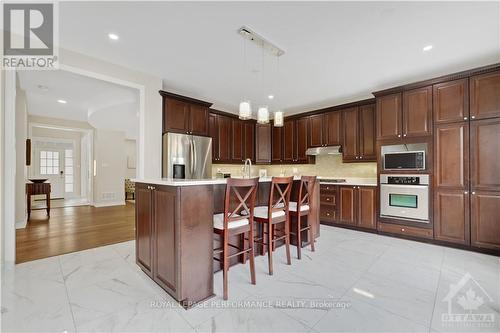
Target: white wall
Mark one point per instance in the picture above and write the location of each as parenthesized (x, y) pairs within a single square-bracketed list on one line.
[(111, 159), (21, 169), (131, 154), (2, 189), (149, 154)]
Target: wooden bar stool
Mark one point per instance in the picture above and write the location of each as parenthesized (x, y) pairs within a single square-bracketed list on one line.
[(240, 193), (275, 213), (303, 199)]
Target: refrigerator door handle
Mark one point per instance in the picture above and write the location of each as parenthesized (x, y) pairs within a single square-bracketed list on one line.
[(194, 161), (191, 156)]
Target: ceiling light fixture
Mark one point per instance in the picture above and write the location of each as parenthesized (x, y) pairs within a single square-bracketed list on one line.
[(113, 36), (427, 48), (270, 96), (263, 115), (42, 87), (278, 118), (62, 101), (245, 109)]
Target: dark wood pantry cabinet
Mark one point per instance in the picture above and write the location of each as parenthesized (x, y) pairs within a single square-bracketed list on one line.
[(485, 95)]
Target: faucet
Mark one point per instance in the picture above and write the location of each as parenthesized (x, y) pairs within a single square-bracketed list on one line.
[(247, 168)]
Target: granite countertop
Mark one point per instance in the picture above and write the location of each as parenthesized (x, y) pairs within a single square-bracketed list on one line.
[(215, 181)]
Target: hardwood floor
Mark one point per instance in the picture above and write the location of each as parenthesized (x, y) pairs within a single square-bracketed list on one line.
[(73, 229)]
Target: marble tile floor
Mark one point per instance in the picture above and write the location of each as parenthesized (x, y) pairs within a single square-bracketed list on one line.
[(354, 282)]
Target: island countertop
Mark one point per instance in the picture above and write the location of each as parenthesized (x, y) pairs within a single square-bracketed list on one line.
[(215, 181)]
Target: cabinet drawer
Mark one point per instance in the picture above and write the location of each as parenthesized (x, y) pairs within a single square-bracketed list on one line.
[(327, 213), (328, 199), (327, 188), (405, 230)]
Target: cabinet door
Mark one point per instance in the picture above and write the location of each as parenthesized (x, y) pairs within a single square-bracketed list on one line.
[(484, 154), (350, 144), (367, 140), (347, 205), (451, 101), (164, 272), (289, 145), (333, 128), (485, 221), (198, 120), (389, 117), (175, 116), (237, 142), (277, 141), (213, 133), (249, 138), (485, 96), (144, 228), (316, 127), (262, 143), (451, 215), (417, 112), (451, 161), (224, 126), (367, 203), (302, 136)]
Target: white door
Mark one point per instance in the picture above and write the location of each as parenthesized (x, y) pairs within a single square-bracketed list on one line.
[(51, 166)]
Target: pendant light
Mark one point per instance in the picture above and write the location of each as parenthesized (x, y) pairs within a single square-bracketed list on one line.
[(278, 115), (245, 110), (263, 115)]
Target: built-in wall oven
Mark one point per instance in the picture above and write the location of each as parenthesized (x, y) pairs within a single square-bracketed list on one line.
[(405, 196)]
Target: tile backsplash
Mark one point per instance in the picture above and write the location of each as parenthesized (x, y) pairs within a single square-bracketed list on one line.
[(326, 166)]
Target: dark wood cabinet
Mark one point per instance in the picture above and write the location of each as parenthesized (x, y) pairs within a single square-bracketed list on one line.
[(316, 127), (417, 112), (451, 162), (325, 129), (367, 207), (359, 134), (144, 228), (289, 150), (263, 143), (223, 138), (485, 96), (484, 155), (277, 142), (237, 139), (389, 113), (347, 205), (186, 115), (249, 140), (451, 101), (451, 215), (213, 132), (233, 140), (302, 141), (485, 221)]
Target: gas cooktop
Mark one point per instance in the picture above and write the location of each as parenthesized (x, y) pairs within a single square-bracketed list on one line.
[(331, 180)]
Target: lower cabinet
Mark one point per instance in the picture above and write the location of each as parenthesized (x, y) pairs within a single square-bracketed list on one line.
[(451, 215), (144, 228), (485, 219)]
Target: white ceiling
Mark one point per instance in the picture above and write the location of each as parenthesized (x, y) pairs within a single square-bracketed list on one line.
[(104, 105), (335, 51)]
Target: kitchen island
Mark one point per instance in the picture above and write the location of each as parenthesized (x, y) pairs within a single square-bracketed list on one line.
[(174, 232)]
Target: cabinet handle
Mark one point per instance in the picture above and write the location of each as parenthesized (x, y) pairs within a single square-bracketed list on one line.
[(327, 199), (327, 188), (466, 192), (404, 134), (399, 135), (473, 193), (361, 157), (465, 118), (402, 229), (472, 117), (354, 187), (327, 214)]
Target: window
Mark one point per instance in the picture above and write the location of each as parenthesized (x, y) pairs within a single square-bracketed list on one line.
[(49, 162), (68, 171)]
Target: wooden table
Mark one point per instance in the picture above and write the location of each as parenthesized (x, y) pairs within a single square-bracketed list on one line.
[(34, 189)]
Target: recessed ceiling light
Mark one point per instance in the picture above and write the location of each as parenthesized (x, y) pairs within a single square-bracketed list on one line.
[(270, 96), (43, 88), (113, 36), (427, 48), (62, 101)]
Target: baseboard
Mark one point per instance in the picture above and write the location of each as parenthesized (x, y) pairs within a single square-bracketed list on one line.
[(109, 203), (21, 224)]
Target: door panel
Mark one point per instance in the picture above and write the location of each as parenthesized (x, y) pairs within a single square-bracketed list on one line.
[(367, 207), (485, 221), (451, 163), (302, 136), (367, 150), (347, 203), (198, 117), (350, 138), (417, 112), (333, 128), (165, 246), (277, 141), (451, 216), (289, 137), (485, 96), (485, 156), (451, 101), (213, 133), (262, 143), (224, 124), (237, 140), (249, 145), (175, 116), (143, 228), (316, 126), (389, 117)]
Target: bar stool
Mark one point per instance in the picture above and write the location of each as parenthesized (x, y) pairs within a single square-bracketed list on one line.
[(304, 198), (232, 223), (275, 213)]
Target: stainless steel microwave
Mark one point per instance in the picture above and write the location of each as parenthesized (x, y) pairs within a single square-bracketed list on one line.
[(406, 160)]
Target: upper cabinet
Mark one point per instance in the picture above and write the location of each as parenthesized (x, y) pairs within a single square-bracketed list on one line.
[(485, 96), (359, 134), (184, 114), (451, 101), (263, 143), (277, 142), (302, 128), (407, 114), (232, 139), (289, 141), (325, 129)]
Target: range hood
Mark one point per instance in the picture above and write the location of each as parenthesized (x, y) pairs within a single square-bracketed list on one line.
[(330, 150)]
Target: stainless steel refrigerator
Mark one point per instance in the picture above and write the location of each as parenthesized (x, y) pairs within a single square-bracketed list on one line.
[(187, 156)]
